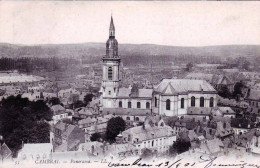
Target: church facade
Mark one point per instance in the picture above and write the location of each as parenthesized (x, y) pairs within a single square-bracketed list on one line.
[(171, 97)]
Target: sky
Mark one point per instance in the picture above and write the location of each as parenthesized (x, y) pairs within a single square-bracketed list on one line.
[(165, 23)]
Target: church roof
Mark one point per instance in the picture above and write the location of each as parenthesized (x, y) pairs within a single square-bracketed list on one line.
[(141, 93), (175, 86)]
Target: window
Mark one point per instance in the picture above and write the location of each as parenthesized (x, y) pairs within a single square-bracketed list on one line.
[(110, 73), (120, 103), (129, 105), (109, 92), (182, 103), (136, 118), (201, 101), (211, 102), (127, 118), (192, 101), (147, 105), (168, 104), (138, 105), (155, 102)]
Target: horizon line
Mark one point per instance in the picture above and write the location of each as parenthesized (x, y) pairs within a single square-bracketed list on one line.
[(42, 44)]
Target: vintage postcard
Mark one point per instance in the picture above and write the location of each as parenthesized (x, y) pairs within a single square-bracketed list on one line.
[(152, 84)]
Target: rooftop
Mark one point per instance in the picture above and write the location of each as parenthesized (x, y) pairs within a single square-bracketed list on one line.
[(175, 86)]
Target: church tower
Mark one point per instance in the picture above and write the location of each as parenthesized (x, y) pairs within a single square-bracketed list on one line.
[(111, 63)]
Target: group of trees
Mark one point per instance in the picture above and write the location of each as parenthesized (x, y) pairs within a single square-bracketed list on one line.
[(225, 92), (28, 64), (23, 121), (87, 99), (114, 126), (180, 146)]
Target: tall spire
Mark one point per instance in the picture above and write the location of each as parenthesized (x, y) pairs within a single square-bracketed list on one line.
[(111, 28)]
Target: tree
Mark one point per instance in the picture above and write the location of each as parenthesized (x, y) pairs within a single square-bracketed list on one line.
[(54, 101), (179, 147), (95, 137), (114, 127), (189, 67), (24, 121), (88, 98), (224, 92), (146, 153), (238, 89), (78, 104)]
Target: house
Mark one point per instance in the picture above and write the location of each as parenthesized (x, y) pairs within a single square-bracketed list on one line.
[(33, 96), (156, 138), (253, 98), (66, 137), (227, 112), (35, 151), (241, 125), (59, 113), (211, 147), (94, 148)]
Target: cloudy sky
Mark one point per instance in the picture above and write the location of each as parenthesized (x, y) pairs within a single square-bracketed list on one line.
[(167, 23)]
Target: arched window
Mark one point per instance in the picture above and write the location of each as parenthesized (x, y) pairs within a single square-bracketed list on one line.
[(211, 102), (110, 73), (147, 105), (155, 101), (192, 101), (201, 101), (138, 105), (182, 103), (109, 92), (129, 105), (136, 118), (168, 104), (120, 103)]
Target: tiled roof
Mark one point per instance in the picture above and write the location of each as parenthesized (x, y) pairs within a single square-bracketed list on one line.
[(5, 152), (144, 93), (57, 108), (87, 121), (254, 95), (60, 125), (184, 85), (214, 145), (192, 135), (68, 131), (148, 132), (124, 92), (226, 110)]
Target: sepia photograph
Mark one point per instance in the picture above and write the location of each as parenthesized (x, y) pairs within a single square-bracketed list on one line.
[(152, 84)]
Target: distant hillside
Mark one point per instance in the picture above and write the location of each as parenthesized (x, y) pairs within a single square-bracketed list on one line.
[(98, 49)]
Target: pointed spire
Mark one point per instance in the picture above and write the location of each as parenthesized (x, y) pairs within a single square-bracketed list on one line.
[(112, 28)]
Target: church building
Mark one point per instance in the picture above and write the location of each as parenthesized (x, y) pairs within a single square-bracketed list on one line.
[(171, 97)]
